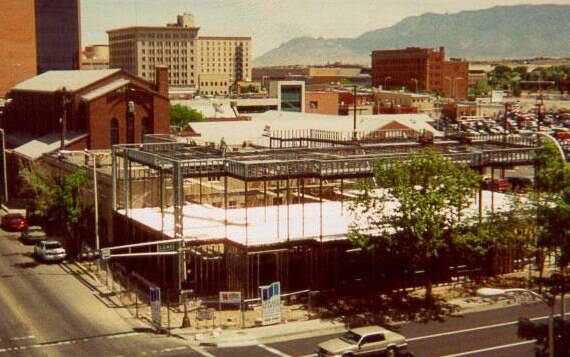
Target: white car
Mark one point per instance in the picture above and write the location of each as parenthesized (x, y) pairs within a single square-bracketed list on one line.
[(364, 341), (49, 251)]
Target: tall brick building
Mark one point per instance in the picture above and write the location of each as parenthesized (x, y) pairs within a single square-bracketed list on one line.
[(37, 36), (102, 108), (18, 39), (421, 69)]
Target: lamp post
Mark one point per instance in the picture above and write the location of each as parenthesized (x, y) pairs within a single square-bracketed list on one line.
[(494, 293), (4, 172), (93, 157)]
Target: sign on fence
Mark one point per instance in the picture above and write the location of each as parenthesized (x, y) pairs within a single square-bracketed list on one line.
[(166, 247), (155, 306), (230, 297), (105, 253), (271, 304)]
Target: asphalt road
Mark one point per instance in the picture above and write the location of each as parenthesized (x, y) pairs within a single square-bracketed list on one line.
[(45, 311), (482, 334)]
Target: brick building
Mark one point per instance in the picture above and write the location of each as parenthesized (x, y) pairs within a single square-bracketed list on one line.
[(458, 110), (37, 36), (18, 39), (420, 69), (102, 107)]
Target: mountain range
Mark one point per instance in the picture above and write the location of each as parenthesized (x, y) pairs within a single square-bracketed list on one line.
[(519, 31)]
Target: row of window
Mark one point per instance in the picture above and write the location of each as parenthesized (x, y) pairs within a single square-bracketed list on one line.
[(202, 84), (146, 128)]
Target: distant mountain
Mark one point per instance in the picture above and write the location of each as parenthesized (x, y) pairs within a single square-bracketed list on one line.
[(500, 32)]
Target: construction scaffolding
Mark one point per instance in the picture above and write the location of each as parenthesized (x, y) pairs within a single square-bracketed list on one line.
[(254, 216)]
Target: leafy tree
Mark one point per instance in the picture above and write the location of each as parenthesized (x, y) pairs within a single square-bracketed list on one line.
[(248, 89), (418, 204), (60, 201), (181, 115), (482, 87)]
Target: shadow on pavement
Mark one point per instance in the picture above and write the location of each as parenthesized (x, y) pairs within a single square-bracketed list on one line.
[(26, 265)]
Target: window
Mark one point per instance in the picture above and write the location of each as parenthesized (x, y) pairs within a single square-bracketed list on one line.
[(373, 338), (114, 131), (313, 104)]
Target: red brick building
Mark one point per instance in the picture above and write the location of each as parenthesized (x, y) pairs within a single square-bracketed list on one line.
[(102, 107), (420, 69), (18, 39)]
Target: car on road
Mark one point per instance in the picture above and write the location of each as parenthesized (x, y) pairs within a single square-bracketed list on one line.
[(33, 235), (14, 222), (49, 251), (364, 341)]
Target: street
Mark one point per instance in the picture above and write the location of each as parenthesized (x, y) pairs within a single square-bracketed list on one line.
[(482, 334), (46, 311)]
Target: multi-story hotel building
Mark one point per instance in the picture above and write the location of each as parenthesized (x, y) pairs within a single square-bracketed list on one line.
[(420, 69), (211, 64)]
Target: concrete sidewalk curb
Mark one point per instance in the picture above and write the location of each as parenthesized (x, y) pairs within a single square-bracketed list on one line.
[(86, 271), (249, 337)]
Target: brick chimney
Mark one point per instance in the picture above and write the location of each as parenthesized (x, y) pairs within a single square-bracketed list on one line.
[(162, 79)]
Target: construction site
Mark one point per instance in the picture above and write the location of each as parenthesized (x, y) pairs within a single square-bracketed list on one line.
[(229, 219)]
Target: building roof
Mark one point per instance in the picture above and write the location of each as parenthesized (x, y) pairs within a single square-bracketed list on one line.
[(34, 148), (96, 93), (53, 81), (236, 133)]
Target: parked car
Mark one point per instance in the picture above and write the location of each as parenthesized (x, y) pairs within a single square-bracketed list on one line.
[(14, 222), (364, 341), (49, 251), (33, 235)]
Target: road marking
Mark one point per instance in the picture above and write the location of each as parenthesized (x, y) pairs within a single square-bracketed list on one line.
[(61, 343), (201, 351), (22, 338), (456, 332), (274, 351), (492, 348)]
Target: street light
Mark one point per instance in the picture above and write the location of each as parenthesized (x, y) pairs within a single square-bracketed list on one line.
[(495, 293)]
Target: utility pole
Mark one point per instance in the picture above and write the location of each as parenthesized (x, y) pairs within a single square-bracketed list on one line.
[(4, 171), (354, 135), (63, 119)]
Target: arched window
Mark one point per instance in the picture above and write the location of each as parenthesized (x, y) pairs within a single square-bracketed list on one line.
[(114, 131), (146, 127)]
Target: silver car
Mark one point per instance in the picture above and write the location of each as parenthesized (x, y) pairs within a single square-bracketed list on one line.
[(364, 341), (49, 251)]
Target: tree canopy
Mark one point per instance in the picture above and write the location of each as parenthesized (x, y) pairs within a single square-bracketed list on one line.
[(181, 115), (426, 195)]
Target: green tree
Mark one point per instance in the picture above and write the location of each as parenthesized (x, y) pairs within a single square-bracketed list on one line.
[(417, 206), (181, 115), (482, 87), (60, 201), (248, 89)]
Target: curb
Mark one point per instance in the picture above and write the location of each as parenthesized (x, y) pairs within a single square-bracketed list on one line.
[(86, 271)]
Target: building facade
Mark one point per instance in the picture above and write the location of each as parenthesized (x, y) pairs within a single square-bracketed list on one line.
[(139, 49), (92, 109), (37, 36), (58, 35), (423, 69)]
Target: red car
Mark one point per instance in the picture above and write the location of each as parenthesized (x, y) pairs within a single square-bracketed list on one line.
[(14, 222)]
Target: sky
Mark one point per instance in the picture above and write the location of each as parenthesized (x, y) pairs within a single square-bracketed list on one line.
[(270, 22)]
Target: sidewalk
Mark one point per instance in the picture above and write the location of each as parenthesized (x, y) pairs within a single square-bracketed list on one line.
[(310, 328)]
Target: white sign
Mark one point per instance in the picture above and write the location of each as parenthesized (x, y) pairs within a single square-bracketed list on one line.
[(230, 297), (155, 307), (497, 96), (105, 253), (270, 304)]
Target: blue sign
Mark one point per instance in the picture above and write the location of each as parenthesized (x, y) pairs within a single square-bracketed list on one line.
[(271, 303)]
